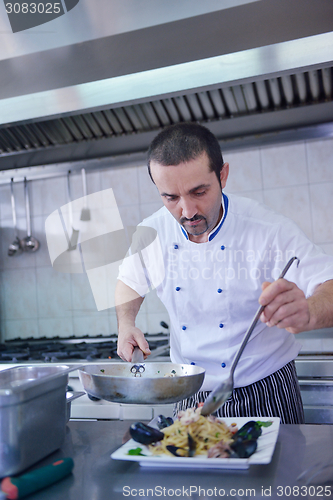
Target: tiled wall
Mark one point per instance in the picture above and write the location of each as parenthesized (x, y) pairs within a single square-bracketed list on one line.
[(295, 179)]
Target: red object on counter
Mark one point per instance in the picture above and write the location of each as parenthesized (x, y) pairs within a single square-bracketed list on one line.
[(19, 487), (10, 490)]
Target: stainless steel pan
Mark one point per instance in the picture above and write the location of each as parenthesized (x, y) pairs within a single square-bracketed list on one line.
[(140, 382)]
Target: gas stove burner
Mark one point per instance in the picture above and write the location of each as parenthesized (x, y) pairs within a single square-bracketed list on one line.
[(54, 351), (14, 356)]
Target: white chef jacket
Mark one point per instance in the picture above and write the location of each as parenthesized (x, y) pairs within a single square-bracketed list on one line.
[(211, 289)]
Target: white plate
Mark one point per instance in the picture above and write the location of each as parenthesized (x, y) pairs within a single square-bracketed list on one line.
[(263, 454)]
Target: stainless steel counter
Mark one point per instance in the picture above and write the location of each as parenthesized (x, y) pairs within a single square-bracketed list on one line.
[(315, 376), (97, 477)]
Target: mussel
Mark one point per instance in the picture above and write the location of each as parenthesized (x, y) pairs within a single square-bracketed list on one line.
[(191, 445), (183, 452), (250, 431), (163, 421), (243, 449), (244, 442), (144, 434)]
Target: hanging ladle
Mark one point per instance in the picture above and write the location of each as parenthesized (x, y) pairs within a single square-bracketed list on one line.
[(85, 212), (73, 240), (29, 243), (14, 248), (224, 390)]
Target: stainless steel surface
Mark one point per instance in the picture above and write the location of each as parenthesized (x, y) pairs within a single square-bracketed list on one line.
[(310, 366), (224, 390), (314, 470), (315, 375), (317, 392), (232, 135), (315, 414), (29, 243), (33, 415), (138, 367), (121, 17), (55, 107), (15, 248), (72, 396), (242, 66), (96, 476), (159, 383), (137, 356)]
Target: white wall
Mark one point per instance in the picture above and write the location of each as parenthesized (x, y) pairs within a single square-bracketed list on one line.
[(295, 179)]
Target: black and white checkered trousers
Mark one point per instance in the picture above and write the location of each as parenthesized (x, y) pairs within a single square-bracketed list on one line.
[(277, 395)]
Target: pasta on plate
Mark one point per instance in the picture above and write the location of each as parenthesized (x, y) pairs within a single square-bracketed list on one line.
[(205, 432)]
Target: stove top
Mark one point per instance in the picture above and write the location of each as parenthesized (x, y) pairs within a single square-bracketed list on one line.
[(57, 350)]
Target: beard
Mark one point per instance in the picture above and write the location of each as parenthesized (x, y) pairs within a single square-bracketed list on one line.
[(197, 229)]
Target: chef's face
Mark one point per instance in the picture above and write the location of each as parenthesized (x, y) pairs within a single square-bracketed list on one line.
[(192, 194)]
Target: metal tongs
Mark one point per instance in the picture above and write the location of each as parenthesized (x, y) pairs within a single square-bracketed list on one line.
[(223, 391)]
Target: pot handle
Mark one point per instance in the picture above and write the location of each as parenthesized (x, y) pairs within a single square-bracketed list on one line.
[(73, 395)]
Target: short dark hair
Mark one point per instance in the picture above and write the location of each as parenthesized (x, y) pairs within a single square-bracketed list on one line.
[(183, 142)]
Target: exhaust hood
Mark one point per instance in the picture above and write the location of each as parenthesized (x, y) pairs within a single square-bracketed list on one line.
[(249, 71)]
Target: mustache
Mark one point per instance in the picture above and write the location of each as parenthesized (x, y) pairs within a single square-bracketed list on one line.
[(196, 217)]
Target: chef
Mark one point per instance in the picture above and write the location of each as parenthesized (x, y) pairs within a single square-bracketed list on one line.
[(214, 257)]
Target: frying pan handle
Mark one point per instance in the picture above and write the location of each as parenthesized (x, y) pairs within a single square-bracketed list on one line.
[(137, 356)]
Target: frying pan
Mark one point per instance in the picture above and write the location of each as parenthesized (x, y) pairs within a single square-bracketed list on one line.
[(141, 382)]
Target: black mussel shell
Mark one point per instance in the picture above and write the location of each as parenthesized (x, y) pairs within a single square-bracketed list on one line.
[(163, 421), (191, 445), (183, 452), (250, 431), (244, 449), (175, 450), (144, 434)]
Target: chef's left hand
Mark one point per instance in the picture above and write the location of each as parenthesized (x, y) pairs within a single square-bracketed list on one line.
[(285, 306)]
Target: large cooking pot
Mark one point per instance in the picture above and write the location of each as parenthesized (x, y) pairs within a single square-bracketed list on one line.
[(33, 414), (141, 383)]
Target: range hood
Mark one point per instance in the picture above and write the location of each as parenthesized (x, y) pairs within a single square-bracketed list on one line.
[(252, 71)]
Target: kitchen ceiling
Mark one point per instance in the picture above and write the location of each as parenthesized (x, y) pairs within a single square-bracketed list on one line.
[(257, 71)]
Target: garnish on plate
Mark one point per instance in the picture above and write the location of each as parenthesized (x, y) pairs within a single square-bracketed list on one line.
[(136, 451)]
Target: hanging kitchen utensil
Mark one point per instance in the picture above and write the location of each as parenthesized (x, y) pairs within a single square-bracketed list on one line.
[(74, 232), (224, 390), (85, 212), (29, 243), (14, 248)]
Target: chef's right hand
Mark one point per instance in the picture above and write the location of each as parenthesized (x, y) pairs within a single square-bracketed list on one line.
[(130, 338)]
